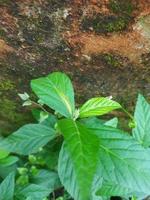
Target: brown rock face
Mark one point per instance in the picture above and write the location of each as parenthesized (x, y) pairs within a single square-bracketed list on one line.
[(103, 45), (4, 49)]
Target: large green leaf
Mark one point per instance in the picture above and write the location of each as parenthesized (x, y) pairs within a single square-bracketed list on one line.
[(10, 160), (78, 159), (28, 139), (6, 170), (98, 106), (110, 188), (123, 162), (32, 191), (56, 91), (97, 183), (7, 188), (142, 117), (47, 179), (94, 122)]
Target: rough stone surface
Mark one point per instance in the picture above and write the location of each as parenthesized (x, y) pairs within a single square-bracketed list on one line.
[(143, 25), (41, 36)]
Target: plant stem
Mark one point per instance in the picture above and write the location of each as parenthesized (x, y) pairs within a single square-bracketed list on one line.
[(53, 195), (40, 106), (128, 113)]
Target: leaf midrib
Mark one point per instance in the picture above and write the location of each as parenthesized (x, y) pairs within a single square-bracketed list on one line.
[(79, 137), (142, 137), (82, 112), (63, 97), (115, 155)]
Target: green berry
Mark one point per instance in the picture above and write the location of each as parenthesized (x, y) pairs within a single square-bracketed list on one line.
[(132, 124), (22, 170), (32, 159), (22, 180), (33, 170)]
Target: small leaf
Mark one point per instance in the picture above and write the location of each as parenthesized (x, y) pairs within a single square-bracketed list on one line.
[(56, 91), (7, 188), (112, 122), (3, 153), (98, 106), (10, 160), (24, 96), (22, 180), (43, 116), (133, 198), (40, 115), (50, 121), (28, 139), (27, 103), (78, 159), (22, 170), (40, 102), (29, 198), (142, 118)]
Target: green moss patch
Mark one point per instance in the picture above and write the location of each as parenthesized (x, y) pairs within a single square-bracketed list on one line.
[(105, 23), (122, 7), (117, 21), (146, 60), (6, 85), (111, 60)]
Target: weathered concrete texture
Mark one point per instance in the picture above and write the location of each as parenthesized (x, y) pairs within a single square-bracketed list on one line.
[(103, 45)]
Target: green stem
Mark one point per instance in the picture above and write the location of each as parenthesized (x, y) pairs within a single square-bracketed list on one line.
[(128, 113), (38, 105), (53, 195)]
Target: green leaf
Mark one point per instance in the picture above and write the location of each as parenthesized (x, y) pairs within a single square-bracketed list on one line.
[(56, 91), (29, 198), (96, 185), (7, 188), (98, 106), (28, 139), (24, 96), (49, 155), (78, 159), (3, 153), (113, 189), (27, 103), (94, 122), (142, 117), (122, 161), (50, 121), (112, 122), (10, 160), (47, 179), (40, 115), (33, 191), (110, 188), (5, 171)]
